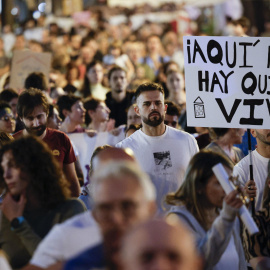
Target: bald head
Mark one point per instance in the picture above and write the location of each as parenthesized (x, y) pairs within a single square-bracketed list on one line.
[(157, 244), (112, 154)]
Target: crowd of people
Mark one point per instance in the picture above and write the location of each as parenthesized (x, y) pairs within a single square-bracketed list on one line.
[(100, 170)]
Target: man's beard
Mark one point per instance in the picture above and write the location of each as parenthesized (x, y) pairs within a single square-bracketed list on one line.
[(263, 138), (36, 131), (155, 121)]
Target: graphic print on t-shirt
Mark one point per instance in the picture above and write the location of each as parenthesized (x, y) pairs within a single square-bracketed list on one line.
[(163, 160)]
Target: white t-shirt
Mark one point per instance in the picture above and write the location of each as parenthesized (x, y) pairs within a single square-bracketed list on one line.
[(260, 173), (86, 145), (165, 158), (67, 240)]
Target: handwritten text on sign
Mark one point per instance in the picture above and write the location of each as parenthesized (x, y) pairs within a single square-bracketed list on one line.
[(227, 81)]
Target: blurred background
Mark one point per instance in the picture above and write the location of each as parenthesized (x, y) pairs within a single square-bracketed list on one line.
[(190, 16)]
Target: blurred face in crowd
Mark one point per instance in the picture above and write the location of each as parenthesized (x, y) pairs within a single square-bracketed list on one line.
[(73, 74), (236, 135), (154, 44), (118, 81), (87, 55), (77, 113), (155, 245), (171, 120), (132, 117), (101, 113), (15, 181), (13, 105), (175, 81), (54, 121), (76, 42), (7, 120), (119, 204), (134, 52), (95, 74)]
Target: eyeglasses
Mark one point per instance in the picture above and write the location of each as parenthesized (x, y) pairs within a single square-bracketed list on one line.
[(127, 209), (7, 118)]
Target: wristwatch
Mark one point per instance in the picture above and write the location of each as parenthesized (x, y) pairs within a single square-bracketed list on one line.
[(16, 222)]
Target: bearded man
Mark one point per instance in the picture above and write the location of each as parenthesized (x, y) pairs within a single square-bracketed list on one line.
[(261, 167), (33, 109), (162, 151)]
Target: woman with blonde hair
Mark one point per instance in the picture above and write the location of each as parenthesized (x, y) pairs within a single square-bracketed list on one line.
[(203, 206)]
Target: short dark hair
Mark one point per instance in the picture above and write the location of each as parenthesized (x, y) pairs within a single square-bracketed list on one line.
[(29, 99), (219, 132), (8, 94), (167, 64), (113, 69), (36, 80), (65, 102), (92, 64), (173, 108), (149, 86), (51, 108), (90, 104), (243, 21)]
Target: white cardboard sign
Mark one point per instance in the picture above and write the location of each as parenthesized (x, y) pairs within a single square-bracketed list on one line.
[(227, 81)]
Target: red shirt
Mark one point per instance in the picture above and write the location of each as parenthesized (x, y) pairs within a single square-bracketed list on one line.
[(59, 143)]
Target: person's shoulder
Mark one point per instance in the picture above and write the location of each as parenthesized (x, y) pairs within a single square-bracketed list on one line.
[(211, 145), (56, 132), (180, 134), (53, 133), (243, 162), (81, 220), (179, 209), (73, 203), (129, 141), (18, 134), (108, 97)]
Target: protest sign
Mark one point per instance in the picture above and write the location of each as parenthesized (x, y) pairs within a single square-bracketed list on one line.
[(227, 81), (26, 62)]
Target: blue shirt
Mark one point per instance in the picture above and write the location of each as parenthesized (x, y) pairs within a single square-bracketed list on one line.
[(91, 258)]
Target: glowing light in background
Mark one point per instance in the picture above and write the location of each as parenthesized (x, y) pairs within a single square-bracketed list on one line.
[(14, 11), (42, 7), (36, 14)]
